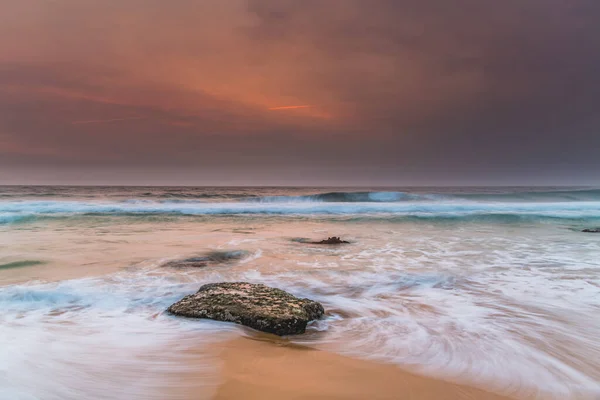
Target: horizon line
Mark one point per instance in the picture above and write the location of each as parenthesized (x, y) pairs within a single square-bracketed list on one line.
[(308, 186)]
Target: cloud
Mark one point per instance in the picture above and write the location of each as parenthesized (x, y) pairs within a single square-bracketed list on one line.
[(96, 121), (289, 107), (414, 89)]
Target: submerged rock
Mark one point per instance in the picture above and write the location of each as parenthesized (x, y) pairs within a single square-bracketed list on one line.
[(194, 262), (591, 230), (215, 257), (257, 306), (19, 264), (331, 240)]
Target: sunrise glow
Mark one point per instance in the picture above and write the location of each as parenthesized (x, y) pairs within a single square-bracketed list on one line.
[(289, 107)]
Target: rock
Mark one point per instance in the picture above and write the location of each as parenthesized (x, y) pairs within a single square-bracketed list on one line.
[(591, 230), (331, 240), (213, 258), (257, 306), (195, 262)]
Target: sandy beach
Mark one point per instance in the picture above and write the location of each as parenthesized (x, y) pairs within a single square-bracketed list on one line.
[(265, 370)]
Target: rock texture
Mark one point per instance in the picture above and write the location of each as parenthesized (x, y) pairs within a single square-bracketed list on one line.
[(331, 240), (592, 230), (257, 306)]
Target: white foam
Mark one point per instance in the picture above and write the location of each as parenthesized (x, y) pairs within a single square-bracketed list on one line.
[(502, 316), (446, 209), (102, 338)]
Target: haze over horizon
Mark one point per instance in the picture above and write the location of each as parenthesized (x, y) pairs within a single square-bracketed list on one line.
[(283, 92)]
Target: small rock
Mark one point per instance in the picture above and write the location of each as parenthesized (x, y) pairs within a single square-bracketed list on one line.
[(591, 230), (331, 240), (257, 306)]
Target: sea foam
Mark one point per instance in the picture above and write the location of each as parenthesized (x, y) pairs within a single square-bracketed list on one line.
[(23, 211)]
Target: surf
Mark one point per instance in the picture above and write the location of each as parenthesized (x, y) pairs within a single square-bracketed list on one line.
[(26, 211)]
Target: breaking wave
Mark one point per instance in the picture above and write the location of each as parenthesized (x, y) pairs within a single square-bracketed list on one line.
[(26, 211), (392, 196), (495, 205), (351, 197)]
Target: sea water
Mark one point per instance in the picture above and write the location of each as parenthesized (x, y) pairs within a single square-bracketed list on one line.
[(496, 287)]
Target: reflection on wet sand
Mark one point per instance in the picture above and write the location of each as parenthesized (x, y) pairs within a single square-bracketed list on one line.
[(273, 369)]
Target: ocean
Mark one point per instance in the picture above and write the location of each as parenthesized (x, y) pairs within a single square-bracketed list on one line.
[(497, 287)]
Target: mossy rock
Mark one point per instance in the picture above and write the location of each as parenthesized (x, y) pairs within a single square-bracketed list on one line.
[(254, 305)]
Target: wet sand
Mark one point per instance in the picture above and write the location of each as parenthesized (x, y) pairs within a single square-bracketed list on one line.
[(262, 369)]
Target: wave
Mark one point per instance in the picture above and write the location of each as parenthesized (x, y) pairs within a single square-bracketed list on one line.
[(396, 196), (17, 218), (537, 196), (350, 197), (117, 192), (277, 195), (26, 211)]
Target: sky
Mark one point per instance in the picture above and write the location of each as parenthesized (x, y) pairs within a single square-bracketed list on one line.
[(300, 92)]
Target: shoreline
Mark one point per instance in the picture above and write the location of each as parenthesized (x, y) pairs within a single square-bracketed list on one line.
[(260, 368)]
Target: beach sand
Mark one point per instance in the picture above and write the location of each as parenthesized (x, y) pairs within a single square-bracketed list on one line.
[(263, 369)]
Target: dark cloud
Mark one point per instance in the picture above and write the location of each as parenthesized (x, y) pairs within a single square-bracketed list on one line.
[(403, 91)]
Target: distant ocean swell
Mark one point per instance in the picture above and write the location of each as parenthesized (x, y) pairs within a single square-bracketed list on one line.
[(385, 197), (287, 195)]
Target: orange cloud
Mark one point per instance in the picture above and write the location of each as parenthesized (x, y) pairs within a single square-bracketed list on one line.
[(304, 110), (290, 107)]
